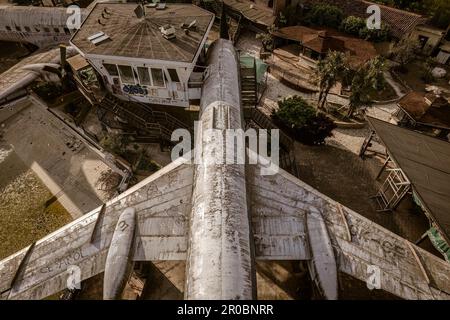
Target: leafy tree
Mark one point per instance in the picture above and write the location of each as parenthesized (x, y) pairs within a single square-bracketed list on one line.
[(291, 15), (405, 51), (300, 119), (357, 26), (332, 69), (376, 35), (352, 25), (325, 15), (440, 11), (267, 38), (367, 78)]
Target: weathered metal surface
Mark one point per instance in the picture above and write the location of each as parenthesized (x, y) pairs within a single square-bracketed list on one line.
[(219, 264), (40, 26), (18, 77), (46, 270), (370, 245), (118, 265), (278, 225), (322, 266)]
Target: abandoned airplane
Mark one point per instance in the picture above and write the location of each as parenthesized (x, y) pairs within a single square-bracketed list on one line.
[(220, 219)]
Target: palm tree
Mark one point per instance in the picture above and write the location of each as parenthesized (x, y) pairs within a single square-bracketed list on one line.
[(367, 78), (331, 70)]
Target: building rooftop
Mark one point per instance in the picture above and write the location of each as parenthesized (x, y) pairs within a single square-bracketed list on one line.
[(427, 109), (426, 162), (323, 40), (125, 31), (401, 22)]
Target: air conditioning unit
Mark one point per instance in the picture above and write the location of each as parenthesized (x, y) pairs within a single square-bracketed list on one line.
[(168, 32)]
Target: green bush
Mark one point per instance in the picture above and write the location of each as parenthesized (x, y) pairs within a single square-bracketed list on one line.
[(357, 27), (325, 15), (297, 117), (352, 25)]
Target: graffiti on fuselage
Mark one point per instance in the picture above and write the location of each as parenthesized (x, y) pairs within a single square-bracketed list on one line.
[(134, 89)]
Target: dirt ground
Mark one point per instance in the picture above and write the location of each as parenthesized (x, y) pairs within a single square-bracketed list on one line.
[(47, 178), (343, 176), (25, 212), (414, 74)]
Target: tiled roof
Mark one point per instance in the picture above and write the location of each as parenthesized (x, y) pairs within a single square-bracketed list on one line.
[(435, 113), (323, 40), (401, 22)]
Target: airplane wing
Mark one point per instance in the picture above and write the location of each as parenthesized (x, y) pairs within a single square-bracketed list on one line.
[(280, 207), (19, 76), (162, 204)]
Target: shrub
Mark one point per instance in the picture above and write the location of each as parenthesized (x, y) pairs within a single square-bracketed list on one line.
[(352, 25), (357, 27), (300, 119), (325, 15)]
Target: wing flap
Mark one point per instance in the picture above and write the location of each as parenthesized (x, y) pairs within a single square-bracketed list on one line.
[(278, 223), (359, 243)]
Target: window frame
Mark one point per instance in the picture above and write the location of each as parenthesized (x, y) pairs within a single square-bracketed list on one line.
[(150, 84), (111, 64), (176, 74), (120, 74), (162, 77)]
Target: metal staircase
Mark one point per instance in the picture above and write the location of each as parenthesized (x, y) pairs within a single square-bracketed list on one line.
[(258, 120), (249, 85), (158, 125), (393, 190)]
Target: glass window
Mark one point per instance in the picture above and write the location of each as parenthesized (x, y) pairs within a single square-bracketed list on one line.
[(8, 28), (158, 78), (18, 28), (144, 76), (56, 30), (126, 74), (66, 31), (112, 69), (37, 29), (173, 75), (27, 29), (46, 29)]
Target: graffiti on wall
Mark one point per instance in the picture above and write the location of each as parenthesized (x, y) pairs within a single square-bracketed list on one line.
[(134, 89)]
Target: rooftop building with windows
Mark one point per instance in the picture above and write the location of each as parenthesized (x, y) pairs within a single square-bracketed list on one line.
[(146, 53)]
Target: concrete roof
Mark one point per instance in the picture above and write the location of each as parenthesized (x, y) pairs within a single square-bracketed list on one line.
[(130, 36)]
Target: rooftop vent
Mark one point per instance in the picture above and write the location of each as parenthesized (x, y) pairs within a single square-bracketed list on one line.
[(98, 37), (160, 6), (189, 26), (168, 32)]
